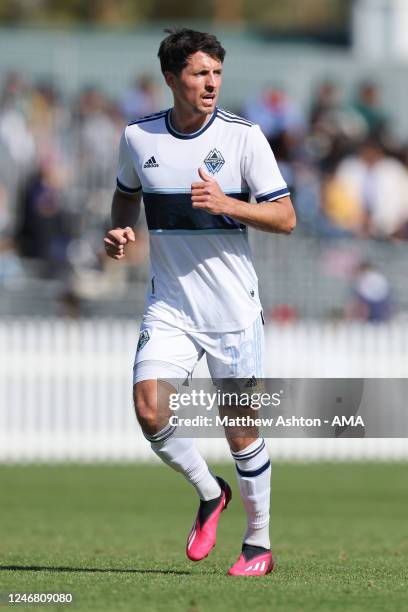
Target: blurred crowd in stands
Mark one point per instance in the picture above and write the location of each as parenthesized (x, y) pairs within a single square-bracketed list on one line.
[(345, 165), (347, 171)]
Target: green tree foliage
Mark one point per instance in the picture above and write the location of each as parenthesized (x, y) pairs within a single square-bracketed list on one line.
[(281, 16), (298, 14)]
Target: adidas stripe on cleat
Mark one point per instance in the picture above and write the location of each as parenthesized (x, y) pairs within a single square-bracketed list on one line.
[(203, 535), (258, 565)]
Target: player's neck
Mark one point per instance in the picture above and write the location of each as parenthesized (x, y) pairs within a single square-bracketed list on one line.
[(185, 122)]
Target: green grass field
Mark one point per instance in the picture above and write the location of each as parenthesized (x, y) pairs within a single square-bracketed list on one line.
[(114, 536)]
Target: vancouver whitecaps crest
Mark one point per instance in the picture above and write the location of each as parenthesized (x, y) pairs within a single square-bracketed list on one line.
[(143, 339), (214, 161)]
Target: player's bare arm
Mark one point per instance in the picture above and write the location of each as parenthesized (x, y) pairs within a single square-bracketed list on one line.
[(277, 216), (125, 212)]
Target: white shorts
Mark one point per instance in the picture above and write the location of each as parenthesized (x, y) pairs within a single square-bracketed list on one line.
[(166, 352)]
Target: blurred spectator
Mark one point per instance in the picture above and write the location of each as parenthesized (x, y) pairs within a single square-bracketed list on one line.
[(334, 127), (371, 295), (376, 185), (283, 314), (5, 225), (43, 229), (48, 121), (368, 106), (11, 270), (16, 136), (278, 116), (325, 104), (306, 191), (17, 146), (70, 305), (97, 138), (142, 98), (341, 210), (14, 131)]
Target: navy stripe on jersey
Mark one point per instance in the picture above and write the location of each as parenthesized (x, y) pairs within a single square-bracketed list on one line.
[(227, 112), (234, 121), (176, 134), (148, 118), (123, 187), (174, 211), (160, 112), (230, 117), (279, 193)]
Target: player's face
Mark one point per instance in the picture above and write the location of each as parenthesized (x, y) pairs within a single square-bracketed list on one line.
[(197, 86)]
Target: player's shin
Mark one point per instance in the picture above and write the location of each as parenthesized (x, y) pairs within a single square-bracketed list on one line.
[(254, 478), (181, 455)]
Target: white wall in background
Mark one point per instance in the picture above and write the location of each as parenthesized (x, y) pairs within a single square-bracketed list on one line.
[(380, 29), (65, 387)]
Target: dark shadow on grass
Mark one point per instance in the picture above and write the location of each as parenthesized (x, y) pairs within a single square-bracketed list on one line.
[(89, 570)]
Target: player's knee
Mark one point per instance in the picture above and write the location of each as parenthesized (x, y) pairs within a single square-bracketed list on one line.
[(146, 409), (238, 444)]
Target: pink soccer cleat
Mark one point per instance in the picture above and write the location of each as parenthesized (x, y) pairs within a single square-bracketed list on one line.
[(248, 565), (203, 534)]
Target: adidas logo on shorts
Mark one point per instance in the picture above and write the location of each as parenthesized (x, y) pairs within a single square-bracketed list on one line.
[(151, 163)]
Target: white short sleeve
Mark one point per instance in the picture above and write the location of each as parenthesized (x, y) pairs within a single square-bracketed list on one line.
[(127, 179), (261, 171)]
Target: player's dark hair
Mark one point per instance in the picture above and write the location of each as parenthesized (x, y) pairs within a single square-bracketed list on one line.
[(177, 47)]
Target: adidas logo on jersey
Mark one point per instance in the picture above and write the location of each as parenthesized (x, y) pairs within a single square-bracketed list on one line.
[(151, 163)]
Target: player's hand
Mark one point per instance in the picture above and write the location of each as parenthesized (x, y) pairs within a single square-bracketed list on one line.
[(208, 195), (116, 239)]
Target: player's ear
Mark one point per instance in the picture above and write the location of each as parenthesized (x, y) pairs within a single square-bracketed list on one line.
[(170, 78)]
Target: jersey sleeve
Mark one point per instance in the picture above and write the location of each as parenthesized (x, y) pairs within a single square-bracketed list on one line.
[(261, 171), (127, 179)]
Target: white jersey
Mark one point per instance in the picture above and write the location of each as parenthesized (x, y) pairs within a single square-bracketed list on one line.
[(202, 277)]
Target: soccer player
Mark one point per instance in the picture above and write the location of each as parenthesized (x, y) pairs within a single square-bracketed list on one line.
[(196, 166)]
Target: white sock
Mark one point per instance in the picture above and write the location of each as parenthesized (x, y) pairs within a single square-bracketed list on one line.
[(254, 480), (182, 456)]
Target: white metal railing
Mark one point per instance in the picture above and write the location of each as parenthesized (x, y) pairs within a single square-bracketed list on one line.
[(65, 387)]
